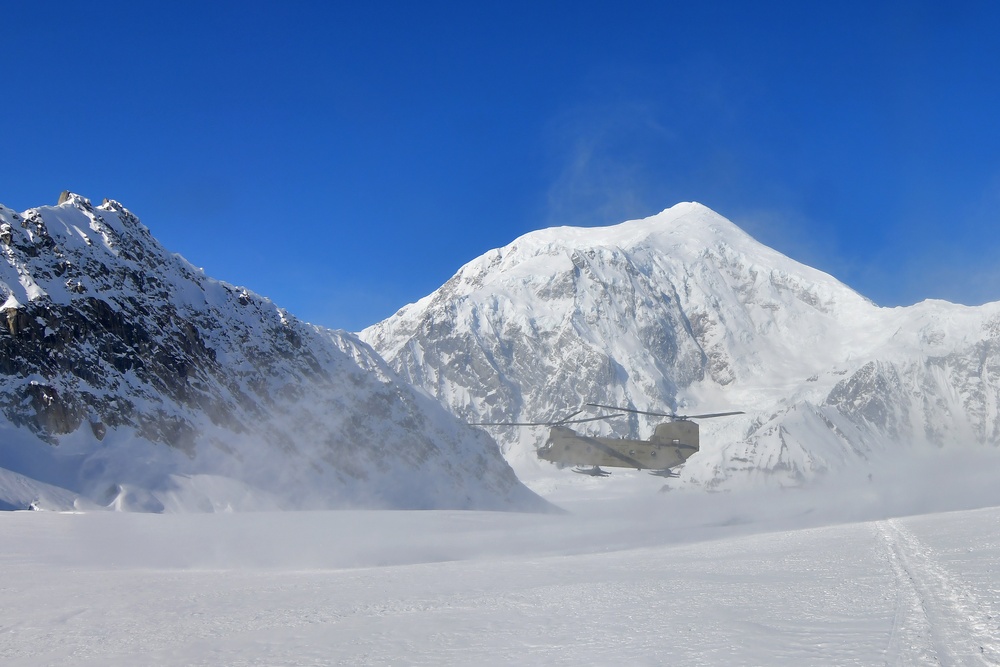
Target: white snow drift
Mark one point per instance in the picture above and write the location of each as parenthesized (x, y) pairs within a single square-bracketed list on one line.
[(796, 577)]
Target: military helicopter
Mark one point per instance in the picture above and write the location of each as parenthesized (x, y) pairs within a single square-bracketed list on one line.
[(672, 443)]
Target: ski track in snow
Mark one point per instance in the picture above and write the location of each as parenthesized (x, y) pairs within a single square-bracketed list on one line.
[(938, 619)]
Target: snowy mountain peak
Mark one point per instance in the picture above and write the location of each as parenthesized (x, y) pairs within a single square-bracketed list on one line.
[(690, 237), (684, 310), (682, 225), (684, 221), (129, 377)]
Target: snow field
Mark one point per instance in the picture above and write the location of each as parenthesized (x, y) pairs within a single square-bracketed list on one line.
[(606, 584)]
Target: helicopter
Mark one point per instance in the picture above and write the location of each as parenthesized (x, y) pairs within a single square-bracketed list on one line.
[(672, 443)]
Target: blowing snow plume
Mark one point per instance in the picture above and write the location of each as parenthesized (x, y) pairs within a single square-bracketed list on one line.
[(132, 380)]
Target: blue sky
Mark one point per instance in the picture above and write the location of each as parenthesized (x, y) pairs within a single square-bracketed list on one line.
[(345, 159)]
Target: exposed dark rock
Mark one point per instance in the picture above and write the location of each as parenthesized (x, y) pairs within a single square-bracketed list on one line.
[(55, 413), (106, 329)]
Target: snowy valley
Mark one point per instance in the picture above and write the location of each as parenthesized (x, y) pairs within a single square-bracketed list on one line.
[(792, 578), (850, 517)]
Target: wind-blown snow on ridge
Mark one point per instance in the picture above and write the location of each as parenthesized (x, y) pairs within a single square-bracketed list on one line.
[(132, 379), (684, 311)]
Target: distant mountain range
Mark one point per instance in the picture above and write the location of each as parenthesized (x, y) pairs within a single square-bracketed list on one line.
[(685, 312), (130, 380)]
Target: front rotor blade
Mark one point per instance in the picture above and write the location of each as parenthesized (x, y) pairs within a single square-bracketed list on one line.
[(568, 419), (565, 420), (511, 423), (586, 419), (710, 415), (638, 412)]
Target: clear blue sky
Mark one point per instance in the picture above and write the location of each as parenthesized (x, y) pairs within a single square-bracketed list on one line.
[(345, 159)]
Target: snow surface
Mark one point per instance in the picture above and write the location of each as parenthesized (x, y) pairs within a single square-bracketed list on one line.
[(832, 574), (888, 562)]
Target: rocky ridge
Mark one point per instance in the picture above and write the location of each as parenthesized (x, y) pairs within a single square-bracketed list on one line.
[(133, 380)]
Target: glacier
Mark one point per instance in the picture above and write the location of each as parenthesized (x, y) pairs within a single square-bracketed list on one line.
[(679, 579)]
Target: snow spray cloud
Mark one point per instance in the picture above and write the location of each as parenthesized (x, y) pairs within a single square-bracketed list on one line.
[(605, 159), (908, 481)]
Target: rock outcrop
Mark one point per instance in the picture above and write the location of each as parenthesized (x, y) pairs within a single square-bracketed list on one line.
[(123, 366)]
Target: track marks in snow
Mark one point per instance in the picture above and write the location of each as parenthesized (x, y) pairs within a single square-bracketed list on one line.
[(938, 618)]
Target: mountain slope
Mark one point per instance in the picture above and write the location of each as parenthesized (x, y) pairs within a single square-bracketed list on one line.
[(684, 311), (129, 377)]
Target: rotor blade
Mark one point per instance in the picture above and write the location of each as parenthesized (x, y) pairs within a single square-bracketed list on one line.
[(558, 423), (585, 419), (638, 412), (709, 415), (665, 414), (510, 423), (568, 419), (565, 420)]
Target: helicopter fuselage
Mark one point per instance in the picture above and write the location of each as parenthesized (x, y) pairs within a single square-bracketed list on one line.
[(672, 444)]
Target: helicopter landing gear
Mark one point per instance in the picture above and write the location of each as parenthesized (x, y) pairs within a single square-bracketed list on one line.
[(593, 472)]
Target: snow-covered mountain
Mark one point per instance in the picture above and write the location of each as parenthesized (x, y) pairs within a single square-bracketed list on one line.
[(684, 311), (130, 379)]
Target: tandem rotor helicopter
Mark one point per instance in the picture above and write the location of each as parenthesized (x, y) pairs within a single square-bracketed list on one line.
[(672, 443)]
